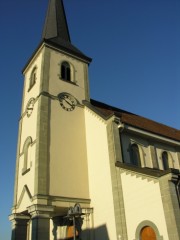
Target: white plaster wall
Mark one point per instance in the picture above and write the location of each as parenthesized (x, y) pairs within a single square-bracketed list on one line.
[(28, 129), (142, 201), (68, 157), (99, 175)]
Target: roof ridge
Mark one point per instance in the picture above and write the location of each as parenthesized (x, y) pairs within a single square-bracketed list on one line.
[(137, 120), (109, 107)]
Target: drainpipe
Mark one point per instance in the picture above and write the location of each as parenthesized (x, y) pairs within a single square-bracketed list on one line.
[(178, 189), (176, 180)]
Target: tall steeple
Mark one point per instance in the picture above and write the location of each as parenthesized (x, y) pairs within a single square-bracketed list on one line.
[(56, 29), (56, 24), (56, 84)]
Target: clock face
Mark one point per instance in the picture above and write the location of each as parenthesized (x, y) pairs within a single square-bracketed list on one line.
[(67, 101), (30, 107)]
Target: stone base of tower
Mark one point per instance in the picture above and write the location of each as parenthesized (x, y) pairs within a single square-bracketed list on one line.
[(40, 228), (21, 230), (33, 225), (42, 222), (19, 226)]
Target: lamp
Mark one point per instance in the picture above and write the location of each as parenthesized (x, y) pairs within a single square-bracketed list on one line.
[(75, 214)]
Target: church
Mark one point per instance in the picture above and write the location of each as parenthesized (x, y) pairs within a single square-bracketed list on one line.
[(84, 169)]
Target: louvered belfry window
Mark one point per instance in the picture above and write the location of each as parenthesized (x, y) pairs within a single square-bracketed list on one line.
[(66, 71)]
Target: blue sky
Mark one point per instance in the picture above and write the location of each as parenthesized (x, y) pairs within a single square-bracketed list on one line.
[(136, 64)]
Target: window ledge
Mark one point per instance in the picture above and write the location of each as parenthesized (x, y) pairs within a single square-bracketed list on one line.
[(24, 171), (71, 82), (31, 87)]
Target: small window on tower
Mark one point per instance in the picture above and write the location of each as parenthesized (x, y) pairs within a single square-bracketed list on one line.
[(33, 77), (66, 71)]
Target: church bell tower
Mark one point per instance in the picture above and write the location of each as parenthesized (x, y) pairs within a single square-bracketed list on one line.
[(51, 165)]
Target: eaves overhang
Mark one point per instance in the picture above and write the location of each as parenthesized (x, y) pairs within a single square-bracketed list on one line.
[(157, 173), (150, 135), (136, 122), (97, 111), (38, 48), (62, 49)]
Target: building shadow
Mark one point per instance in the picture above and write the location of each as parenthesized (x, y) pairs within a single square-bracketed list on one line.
[(87, 234), (96, 233), (99, 232)]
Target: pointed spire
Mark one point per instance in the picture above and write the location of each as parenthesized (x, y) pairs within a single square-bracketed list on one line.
[(56, 23), (56, 30)]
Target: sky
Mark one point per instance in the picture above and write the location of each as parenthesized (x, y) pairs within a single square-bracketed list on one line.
[(135, 47)]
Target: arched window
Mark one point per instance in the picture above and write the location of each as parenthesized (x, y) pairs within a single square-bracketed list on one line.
[(147, 233), (165, 160), (65, 71), (147, 230), (135, 155), (33, 77), (26, 151)]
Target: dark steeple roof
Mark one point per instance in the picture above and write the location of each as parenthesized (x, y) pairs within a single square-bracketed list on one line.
[(56, 30), (56, 24)]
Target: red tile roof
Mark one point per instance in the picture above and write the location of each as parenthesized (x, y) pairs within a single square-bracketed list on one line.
[(137, 121)]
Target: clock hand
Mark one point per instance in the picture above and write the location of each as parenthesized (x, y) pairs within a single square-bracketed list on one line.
[(68, 102)]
